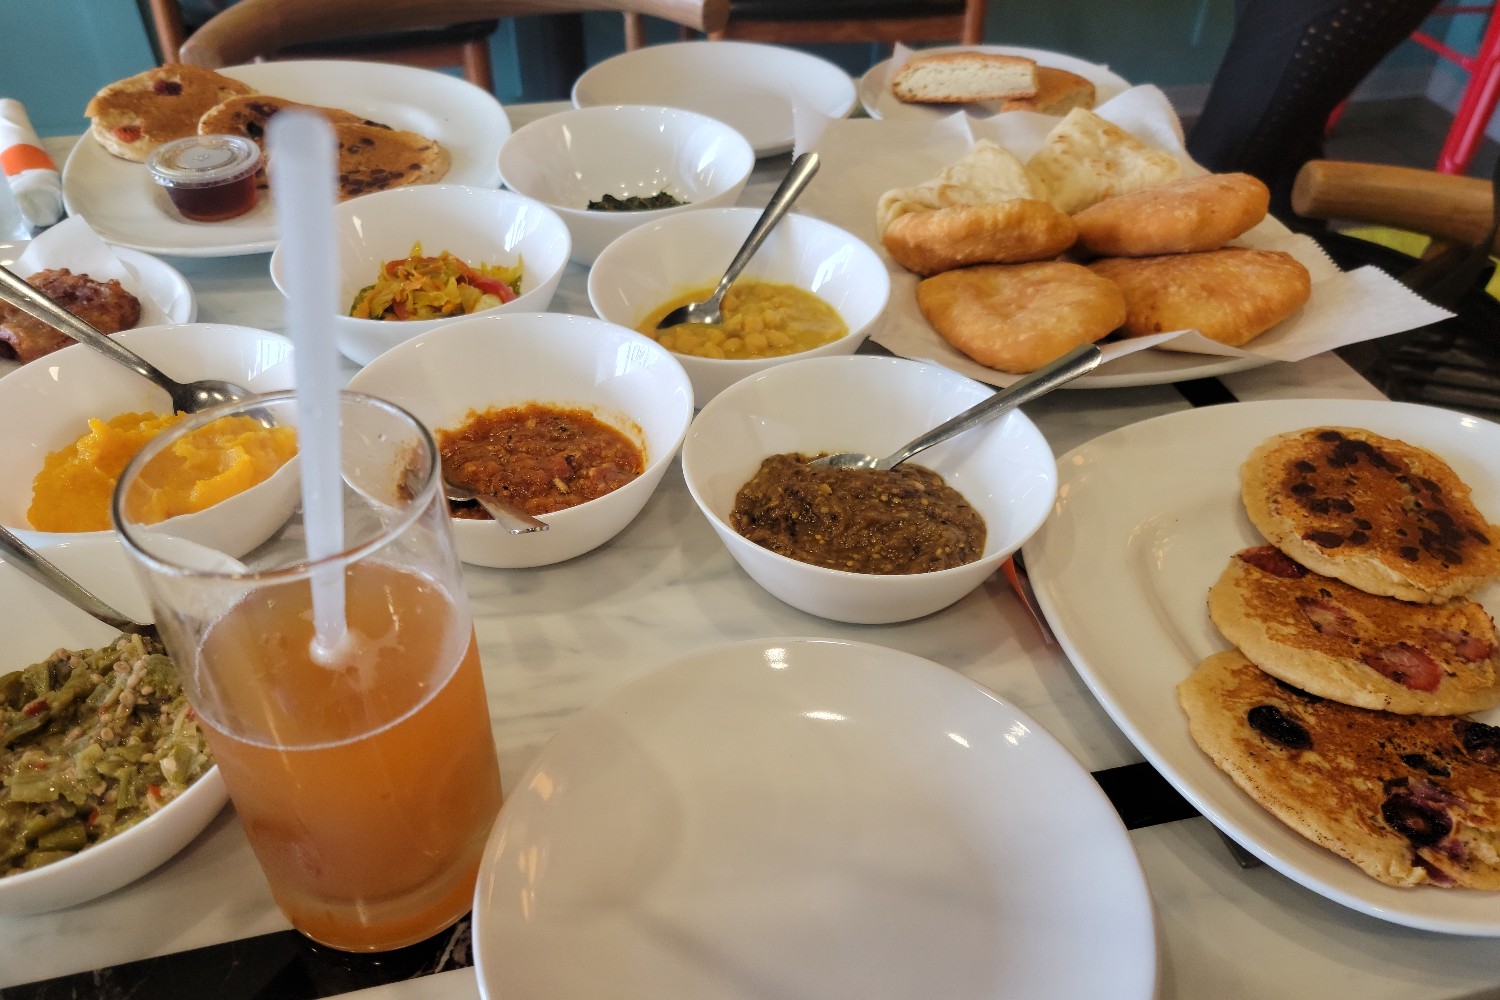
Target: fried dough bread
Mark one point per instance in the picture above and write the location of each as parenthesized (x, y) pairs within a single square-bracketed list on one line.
[(1335, 641), (1231, 295), (1410, 799), (106, 305), (1007, 232), (1057, 92), (987, 174), (1182, 216), (1017, 317), (1085, 159), (1382, 515), (371, 156), (131, 117)]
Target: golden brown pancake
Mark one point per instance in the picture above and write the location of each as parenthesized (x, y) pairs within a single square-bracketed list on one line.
[(1380, 514), (1195, 214), (1007, 232), (1410, 799), (131, 117)]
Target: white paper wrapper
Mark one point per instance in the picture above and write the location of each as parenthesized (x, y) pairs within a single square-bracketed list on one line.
[(38, 190), (73, 245), (863, 158)]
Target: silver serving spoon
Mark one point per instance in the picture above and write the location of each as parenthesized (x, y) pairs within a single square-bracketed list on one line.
[(512, 519), (187, 397), (707, 311), (1066, 368), (26, 559)]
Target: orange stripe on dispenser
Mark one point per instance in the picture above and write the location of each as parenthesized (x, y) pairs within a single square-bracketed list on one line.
[(24, 156)]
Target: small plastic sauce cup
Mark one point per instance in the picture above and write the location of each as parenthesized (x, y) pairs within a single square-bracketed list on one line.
[(208, 177)]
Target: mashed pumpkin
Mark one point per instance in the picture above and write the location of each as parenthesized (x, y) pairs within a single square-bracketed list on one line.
[(218, 460)]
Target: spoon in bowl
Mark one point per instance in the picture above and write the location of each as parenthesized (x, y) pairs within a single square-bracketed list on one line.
[(707, 311), (189, 397), (512, 519), (28, 561), (1066, 368)]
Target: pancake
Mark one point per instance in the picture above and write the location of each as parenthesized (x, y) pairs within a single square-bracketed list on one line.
[(1410, 799), (1382, 515), (1332, 640), (131, 117)]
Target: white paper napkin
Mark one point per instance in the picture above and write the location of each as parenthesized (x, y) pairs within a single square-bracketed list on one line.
[(75, 246), (32, 173)]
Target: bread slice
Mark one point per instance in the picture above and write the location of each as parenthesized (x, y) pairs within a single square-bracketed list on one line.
[(1085, 159), (1057, 92), (1333, 640), (1380, 514), (131, 117), (963, 77), (1410, 799), (371, 156)]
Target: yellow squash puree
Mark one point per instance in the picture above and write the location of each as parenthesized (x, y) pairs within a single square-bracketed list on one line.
[(761, 320), (216, 461)]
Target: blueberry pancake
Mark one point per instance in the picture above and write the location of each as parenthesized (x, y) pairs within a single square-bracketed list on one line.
[(1410, 799), (1333, 640), (1380, 514)]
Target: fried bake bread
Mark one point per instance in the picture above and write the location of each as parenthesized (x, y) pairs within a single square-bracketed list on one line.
[(988, 173), (1410, 799), (963, 77), (1182, 216), (1057, 92), (131, 117), (371, 156), (106, 305), (1017, 317), (1007, 232), (1338, 642), (1085, 159), (1231, 295), (1382, 515)]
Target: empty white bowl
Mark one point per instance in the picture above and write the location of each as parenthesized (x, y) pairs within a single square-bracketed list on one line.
[(574, 157), (662, 260), (47, 404), (496, 361), (477, 225), (1004, 468)]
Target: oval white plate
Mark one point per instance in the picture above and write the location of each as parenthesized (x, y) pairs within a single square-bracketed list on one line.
[(799, 818), (875, 88), (1147, 517), (121, 203), (747, 86)]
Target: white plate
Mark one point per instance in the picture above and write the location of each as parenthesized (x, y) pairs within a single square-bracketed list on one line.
[(807, 818), (878, 101), (126, 208), (38, 622), (158, 279), (1147, 518), (748, 86)]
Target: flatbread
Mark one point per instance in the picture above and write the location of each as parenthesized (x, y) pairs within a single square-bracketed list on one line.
[(1017, 317), (131, 117), (1182, 216), (1380, 514), (1410, 799), (1333, 640), (1085, 159), (1008, 232), (1231, 295), (987, 174)]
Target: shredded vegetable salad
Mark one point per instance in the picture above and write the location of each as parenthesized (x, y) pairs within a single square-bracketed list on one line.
[(419, 287)]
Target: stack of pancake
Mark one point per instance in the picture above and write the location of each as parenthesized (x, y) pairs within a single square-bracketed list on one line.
[(1342, 711), (1147, 247)]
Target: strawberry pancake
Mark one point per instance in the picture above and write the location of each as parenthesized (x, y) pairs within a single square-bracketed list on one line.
[(131, 117)]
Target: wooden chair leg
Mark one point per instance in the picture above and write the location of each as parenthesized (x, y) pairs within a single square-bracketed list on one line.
[(973, 33), (477, 67), (635, 31), (166, 18)]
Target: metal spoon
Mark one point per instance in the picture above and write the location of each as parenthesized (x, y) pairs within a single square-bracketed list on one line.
[(1066, 368), (187, 397), (28, 561), (707, 311), (512, 519)]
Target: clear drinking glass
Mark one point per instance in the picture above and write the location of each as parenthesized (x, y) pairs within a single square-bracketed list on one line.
[(366, 785)]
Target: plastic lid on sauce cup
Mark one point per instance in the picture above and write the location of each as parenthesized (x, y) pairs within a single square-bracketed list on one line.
[(203, 161)]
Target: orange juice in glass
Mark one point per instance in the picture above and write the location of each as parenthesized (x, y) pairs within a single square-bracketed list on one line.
[(366, 781)]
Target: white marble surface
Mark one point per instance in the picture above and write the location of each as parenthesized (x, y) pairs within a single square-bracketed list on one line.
[(555, 639)]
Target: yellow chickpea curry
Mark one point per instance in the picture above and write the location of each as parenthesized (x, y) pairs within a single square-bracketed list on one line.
[(762, 319)]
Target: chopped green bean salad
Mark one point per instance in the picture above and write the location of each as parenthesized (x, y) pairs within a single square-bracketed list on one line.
[(91, 742)]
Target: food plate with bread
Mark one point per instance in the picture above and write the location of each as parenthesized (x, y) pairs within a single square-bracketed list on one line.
[(1147, 518), (1059, 84), (450, 128)]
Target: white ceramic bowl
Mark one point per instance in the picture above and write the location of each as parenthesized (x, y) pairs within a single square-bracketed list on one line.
[(47, 404), (1004, 468), (572, 361), (571, 158), (477, 225), (38, 622), (664, 259)]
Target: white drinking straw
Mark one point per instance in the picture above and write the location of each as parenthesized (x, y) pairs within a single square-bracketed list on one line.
[(302, 168)]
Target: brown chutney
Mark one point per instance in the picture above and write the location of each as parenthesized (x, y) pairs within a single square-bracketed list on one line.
[(904, 520)]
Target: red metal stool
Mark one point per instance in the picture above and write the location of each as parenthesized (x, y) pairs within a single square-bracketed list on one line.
[(1480, 94)]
